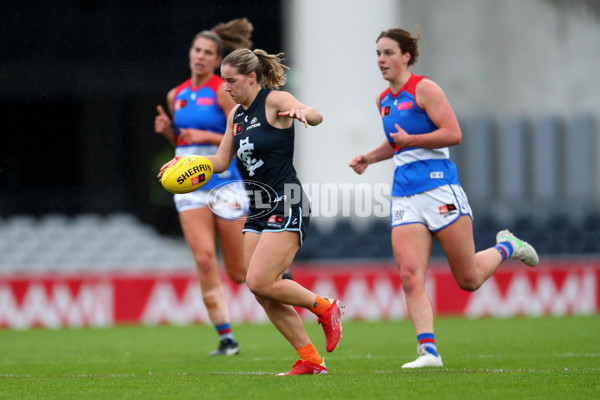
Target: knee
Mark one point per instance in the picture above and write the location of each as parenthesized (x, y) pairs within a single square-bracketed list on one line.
[(410, 280), (237, 278), (205, 261), (257, 286), (468, 284), (237, 275)]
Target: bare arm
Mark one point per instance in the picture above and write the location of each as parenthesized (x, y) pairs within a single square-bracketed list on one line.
[(282, 107), (382, 152), (432, 99), (225, 154)]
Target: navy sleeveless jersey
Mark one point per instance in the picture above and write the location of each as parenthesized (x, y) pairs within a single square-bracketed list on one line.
[(265, 153)]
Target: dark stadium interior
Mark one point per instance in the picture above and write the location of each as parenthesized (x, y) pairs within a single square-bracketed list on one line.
[(79, 83)]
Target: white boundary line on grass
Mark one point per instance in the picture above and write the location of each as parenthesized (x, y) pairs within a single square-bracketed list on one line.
[(339, 358), (262, 373), (490, 370), (578, 355)]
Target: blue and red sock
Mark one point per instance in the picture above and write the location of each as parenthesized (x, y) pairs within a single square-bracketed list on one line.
[(506, 250), (427, 341), (224, 331)]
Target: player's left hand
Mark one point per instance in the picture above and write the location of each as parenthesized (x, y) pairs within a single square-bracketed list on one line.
[(296, 113)]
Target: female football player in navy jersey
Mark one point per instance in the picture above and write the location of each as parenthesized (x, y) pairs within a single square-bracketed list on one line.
[(260, 133), (427, 199), (200, 107)]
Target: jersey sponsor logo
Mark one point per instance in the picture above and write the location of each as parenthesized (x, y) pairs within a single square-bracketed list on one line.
[(237, 129), (385, 111), (436, 175), (244, 153), (255, 125), (179, 104), (407, 105), (447, 208), (205, 101)]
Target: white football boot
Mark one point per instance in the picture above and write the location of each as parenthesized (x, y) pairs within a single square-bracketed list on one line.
[(425, 359), (522, 251)]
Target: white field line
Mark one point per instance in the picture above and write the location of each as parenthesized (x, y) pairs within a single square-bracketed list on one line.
[(336, 358), (263, 373)]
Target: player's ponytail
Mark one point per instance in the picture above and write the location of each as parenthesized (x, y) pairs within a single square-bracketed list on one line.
[(268, 68), (235, 34), (229, 36), (271, 69)]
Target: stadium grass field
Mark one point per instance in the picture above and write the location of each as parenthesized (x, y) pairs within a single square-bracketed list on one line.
[(515, 358)]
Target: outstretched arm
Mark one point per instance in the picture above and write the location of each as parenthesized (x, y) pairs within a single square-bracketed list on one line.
[(281, 107)]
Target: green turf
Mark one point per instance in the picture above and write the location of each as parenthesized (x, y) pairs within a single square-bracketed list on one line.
[(517, 358)]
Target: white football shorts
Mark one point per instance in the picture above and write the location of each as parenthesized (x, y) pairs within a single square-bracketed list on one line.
[(226, 201), (435, 208)]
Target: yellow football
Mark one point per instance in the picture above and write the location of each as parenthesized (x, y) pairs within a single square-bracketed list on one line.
[(187, 174)]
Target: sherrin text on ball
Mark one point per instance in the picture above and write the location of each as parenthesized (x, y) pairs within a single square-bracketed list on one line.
[(187, 174)]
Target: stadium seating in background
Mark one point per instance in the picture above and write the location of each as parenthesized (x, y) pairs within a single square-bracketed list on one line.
[(120, 242), (553, 236), (58, 243)]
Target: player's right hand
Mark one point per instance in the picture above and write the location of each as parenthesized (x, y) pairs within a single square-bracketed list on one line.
[(359, 164), (167, 165), (163, 124)]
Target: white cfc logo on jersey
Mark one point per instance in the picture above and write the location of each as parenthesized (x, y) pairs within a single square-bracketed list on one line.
[(244, 153)]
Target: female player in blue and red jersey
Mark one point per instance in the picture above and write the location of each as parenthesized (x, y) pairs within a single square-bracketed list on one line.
[(200, 107), (427, 199)]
